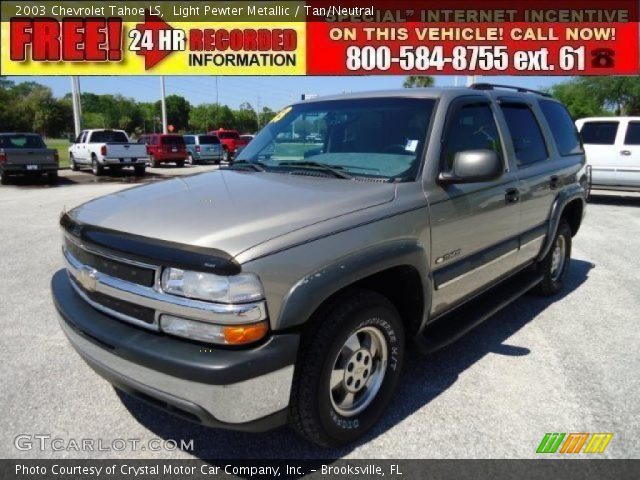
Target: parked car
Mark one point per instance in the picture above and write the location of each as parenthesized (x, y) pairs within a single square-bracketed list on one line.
[(203, 148), (231, 141), (100, 148), (26, 153), (245, 139), (612, 145), (165, 148), (302, 277)]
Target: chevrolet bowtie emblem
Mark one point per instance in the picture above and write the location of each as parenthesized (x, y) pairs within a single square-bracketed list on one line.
[(88, 278)]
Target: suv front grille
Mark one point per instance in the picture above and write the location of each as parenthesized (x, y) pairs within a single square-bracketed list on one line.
[(132, 310), (114, 268)]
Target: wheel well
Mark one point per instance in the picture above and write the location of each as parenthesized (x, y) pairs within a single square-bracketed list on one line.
[(402, 286), (573, 214)]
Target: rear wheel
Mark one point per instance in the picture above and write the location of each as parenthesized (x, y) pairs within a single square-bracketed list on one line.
[(4, 178), (348, 369), (139, 170), (226, 156), (555, 265), (53, 176), (190, 160), (74, 165), (154, 162), (96, 168), (180, 163)]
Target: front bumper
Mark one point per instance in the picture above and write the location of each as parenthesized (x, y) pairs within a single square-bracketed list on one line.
[(235, 389)]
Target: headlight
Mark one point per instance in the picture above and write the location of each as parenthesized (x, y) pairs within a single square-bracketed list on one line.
[(242, 288)]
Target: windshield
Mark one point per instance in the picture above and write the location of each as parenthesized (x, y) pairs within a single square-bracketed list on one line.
[(21, 141), (372, 137), (109, 136)]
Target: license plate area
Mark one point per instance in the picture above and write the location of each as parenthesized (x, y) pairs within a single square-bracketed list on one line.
[(32, 167)]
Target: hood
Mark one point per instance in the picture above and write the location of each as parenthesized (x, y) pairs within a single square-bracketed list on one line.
[(230, 210)]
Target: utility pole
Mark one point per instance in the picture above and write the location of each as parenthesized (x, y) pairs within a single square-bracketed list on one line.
[(163, 103), (471, 79), (77, 106)]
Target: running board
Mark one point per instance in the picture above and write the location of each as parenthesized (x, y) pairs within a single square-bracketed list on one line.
[(454, 325)]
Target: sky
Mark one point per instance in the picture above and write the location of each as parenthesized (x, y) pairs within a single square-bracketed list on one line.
[(274, 92)]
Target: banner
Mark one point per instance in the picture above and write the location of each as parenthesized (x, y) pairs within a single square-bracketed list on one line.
[(495, 37)]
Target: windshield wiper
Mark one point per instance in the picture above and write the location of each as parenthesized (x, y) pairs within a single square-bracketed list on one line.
[(242, 164), (335, 171)]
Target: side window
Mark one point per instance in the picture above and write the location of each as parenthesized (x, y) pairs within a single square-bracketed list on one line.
[(633, 134), (599, 133), (562, 127), (190, 140), (471, 128), (80, 138), (527, 138)]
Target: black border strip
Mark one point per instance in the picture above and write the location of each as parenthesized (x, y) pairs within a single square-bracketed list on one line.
[(152, 250)]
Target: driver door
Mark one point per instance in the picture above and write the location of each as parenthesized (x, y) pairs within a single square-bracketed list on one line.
[(474, 226)]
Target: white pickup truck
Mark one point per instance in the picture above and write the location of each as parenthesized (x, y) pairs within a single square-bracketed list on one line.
[(107, 148)]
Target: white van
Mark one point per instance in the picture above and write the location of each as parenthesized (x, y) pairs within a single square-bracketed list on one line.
[(612, 145)]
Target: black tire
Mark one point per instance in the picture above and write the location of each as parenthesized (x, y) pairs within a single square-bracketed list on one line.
[(553, 281), (180, 163), (96, 168), (153, 161), (226, 157), (139, 170), (4, 178), (313, 413), (74, 165), (190, 160), (53, 177)]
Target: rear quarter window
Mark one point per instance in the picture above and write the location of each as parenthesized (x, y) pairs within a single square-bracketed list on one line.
[(562, 127), (633, 134), (527, 138), (599, 133)]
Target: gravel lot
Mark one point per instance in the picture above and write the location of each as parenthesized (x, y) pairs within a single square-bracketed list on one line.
[(564, 365)]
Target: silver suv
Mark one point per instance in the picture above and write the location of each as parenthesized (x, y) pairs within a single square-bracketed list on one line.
[(287, 287)]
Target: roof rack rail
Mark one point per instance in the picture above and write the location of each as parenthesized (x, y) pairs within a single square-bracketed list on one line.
[(491, 86)]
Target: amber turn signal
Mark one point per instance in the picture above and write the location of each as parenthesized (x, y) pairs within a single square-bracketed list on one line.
[(243, 334)]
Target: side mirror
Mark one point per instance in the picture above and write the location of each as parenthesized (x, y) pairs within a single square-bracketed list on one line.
[(473, 166)]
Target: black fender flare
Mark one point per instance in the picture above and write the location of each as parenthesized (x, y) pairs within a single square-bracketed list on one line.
[(566, 196), (306, 296)]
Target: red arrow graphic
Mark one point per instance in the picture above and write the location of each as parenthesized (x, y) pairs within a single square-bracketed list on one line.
[(153, 55)]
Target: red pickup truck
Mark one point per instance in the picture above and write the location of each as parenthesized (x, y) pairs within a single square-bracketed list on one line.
[(231, 141), (164, 148)]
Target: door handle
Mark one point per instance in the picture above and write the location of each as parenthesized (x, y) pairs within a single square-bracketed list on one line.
[(625, 153), (554, 182), (511, 196)]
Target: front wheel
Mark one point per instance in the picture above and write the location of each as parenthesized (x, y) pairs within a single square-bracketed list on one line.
[(555, 265), (74, 165), (348, 369), (154, 162)]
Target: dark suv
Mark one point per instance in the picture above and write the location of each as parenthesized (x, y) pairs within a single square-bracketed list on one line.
[(288, 287)]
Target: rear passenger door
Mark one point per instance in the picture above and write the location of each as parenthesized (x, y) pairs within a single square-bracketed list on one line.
[(473, 225), (628, 165)]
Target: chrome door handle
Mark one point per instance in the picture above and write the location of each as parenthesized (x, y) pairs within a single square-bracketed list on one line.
[(511, 196), (554, 182), (625, 153)]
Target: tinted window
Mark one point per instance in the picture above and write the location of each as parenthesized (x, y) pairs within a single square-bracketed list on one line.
[(189, 140), (599, 133), (209, 140), (109, 136), (562, 127), (172, 140), (21, 141), (633, 134), (472, 128), (527, 138)]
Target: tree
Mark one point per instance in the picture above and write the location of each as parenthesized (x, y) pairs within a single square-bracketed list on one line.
[(246, 119), (578, 100), (418, 81), (265, 116), (177, 111)]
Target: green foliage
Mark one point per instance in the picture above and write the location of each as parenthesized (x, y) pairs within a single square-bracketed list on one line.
[(599, 96), (418, 81)]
